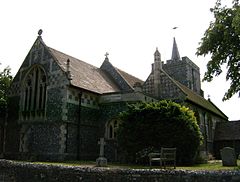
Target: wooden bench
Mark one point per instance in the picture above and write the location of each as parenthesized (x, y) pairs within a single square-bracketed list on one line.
[(166, 157)]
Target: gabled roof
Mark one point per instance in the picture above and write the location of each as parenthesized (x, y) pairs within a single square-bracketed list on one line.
[(124, 80), (227, 131), (201, 101), (129, 78), (195, 98), (84, 75)]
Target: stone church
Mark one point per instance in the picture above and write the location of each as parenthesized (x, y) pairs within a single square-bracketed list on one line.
[(60, 106)]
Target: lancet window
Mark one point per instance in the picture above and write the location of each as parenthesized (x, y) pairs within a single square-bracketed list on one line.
[(112, 129), (34, 94)]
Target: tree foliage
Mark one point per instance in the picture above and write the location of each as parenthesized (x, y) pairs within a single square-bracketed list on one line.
[(222, 41), (5, 81), (161, 124)]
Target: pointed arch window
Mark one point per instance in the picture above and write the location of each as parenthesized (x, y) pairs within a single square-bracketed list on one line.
[(112, 129), (34, 94)]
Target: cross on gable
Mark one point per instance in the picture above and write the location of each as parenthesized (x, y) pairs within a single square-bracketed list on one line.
[(101, 142), (106, 54)]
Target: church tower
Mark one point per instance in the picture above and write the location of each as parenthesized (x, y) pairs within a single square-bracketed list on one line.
[(183, 70)]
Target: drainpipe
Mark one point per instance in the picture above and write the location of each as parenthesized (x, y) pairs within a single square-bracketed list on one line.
[(79, 126)]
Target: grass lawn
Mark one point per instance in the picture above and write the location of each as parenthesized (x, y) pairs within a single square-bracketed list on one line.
[(211, 165)]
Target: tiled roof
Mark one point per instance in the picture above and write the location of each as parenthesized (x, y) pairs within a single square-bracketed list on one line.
[(227, 131), (189, 96), (94, 79), (84, 75), (129, 78), (201, 101)]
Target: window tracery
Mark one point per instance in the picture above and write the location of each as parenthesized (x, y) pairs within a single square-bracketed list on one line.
[(34, 94), (112, 129)]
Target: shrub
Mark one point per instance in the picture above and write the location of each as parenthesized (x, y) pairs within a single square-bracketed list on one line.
[(156, 125), (5, 81)]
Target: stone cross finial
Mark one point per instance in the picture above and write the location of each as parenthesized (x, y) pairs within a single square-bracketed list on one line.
[(106, 54), (40, 32), (101, 143)]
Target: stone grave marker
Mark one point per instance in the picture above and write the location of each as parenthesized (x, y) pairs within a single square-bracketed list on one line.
[(101, 161), (228, 156)]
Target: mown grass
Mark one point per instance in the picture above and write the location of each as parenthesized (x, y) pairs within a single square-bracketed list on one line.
[(210, 166)]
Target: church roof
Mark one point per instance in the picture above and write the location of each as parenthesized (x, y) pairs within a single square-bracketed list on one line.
[(201, 101), (227, 131), (84, 75), (94, 79), (129, 78), (89, 77)]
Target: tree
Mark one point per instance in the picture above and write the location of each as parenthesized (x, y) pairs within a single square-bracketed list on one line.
[(5, 81), (222, 41), (162, 124)]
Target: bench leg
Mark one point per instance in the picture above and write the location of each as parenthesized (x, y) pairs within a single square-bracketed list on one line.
[(161, 163)]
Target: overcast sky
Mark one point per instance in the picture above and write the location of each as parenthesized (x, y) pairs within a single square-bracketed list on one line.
[(129, 30)]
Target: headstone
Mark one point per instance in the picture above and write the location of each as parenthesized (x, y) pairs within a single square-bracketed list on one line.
[(228, 156), (101, 161)]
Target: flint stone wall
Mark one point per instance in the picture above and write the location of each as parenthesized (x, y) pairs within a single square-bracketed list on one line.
[(27, 172)]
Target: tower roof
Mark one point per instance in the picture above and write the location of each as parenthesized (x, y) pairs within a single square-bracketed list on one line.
[(157, 53), (175, 52)]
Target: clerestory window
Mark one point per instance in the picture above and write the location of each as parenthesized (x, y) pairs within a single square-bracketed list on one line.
[(34, 94)]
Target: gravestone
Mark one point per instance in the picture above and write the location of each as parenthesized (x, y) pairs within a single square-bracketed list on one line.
[(101, 161), (228, 156)]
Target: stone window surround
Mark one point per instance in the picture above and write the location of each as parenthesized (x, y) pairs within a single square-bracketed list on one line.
[(111, 128), (34, 92)]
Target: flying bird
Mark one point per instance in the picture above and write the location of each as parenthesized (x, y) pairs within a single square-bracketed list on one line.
[(175, 28)]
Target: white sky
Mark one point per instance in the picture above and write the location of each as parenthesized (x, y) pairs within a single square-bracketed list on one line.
[(130, 30)]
